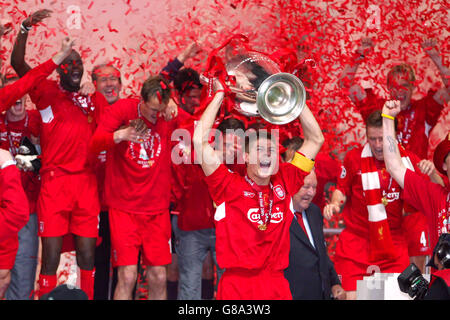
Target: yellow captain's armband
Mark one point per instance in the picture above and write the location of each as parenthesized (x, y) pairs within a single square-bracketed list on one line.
[(302, 162)]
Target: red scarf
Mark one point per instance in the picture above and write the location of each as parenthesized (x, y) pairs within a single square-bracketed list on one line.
[(380, 240)]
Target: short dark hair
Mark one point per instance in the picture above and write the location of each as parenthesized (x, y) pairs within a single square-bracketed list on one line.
[(375, 120), (230, 124), (294, 143), (187, 79), (402, 68), (156, 86), (262, 133)]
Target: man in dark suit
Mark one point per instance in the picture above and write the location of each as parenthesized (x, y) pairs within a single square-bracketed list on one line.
[(311, 274)]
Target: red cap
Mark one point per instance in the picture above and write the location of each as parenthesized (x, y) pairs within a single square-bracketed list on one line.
[(441, 153)]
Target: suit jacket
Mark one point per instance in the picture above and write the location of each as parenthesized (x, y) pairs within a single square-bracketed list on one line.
[(311, 273)]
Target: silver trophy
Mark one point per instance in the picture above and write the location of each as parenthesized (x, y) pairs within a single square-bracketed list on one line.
[(262, 90)]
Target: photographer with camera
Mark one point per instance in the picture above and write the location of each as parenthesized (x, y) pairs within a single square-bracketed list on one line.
[(414, 284), (439, 287)]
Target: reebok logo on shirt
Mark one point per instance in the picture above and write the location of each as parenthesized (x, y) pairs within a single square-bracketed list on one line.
[(248, 194)]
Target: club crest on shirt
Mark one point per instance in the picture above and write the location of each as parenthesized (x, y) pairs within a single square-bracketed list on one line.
[(279, 191), (146, 152)]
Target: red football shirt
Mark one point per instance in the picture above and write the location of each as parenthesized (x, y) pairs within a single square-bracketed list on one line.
[(239, 242), (431, 199), (355, 211), (138, 175), (65, 130), (414, 124)]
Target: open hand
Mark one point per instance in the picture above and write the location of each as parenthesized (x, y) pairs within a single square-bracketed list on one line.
[(426, 166), (330, 209), (191, 51), (126, 134), (429, 46), (139, 125), (366, 46), (36, 17)]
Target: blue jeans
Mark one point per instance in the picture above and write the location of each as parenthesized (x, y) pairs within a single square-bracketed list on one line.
[(23, 273), (191, 249)]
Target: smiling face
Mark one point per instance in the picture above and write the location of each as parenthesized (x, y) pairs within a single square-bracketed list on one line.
[(107, 82), (302, 199), (190, 99), (262, 160), (400, 88), (17, 110), (71, 72)]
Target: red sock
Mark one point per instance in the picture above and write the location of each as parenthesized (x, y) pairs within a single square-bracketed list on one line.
[(46, 284), (87, 282)]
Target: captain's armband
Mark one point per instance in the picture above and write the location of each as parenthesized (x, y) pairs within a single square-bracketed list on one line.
[(302, 162)]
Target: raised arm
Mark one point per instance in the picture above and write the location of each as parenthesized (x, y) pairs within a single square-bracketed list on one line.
[(312, 134), (427, 167), (4, 29), (430, 47), (392, 157), (11, 93), (210, 160), (346, 80), (170, 71), (18, 54)]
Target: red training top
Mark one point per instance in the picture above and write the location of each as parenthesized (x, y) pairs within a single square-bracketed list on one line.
[(138, 175)]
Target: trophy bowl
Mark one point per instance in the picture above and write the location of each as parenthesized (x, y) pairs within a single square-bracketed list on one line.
[(263, 90)]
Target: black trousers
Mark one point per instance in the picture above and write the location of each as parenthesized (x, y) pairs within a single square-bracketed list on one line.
[(104, 283)]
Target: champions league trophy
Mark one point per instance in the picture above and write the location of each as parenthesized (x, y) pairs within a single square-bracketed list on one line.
[(262, 90)]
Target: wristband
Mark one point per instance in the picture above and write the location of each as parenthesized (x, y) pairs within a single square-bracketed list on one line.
[(8, 163), (358, 57), (387, 116), (24, 29)]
